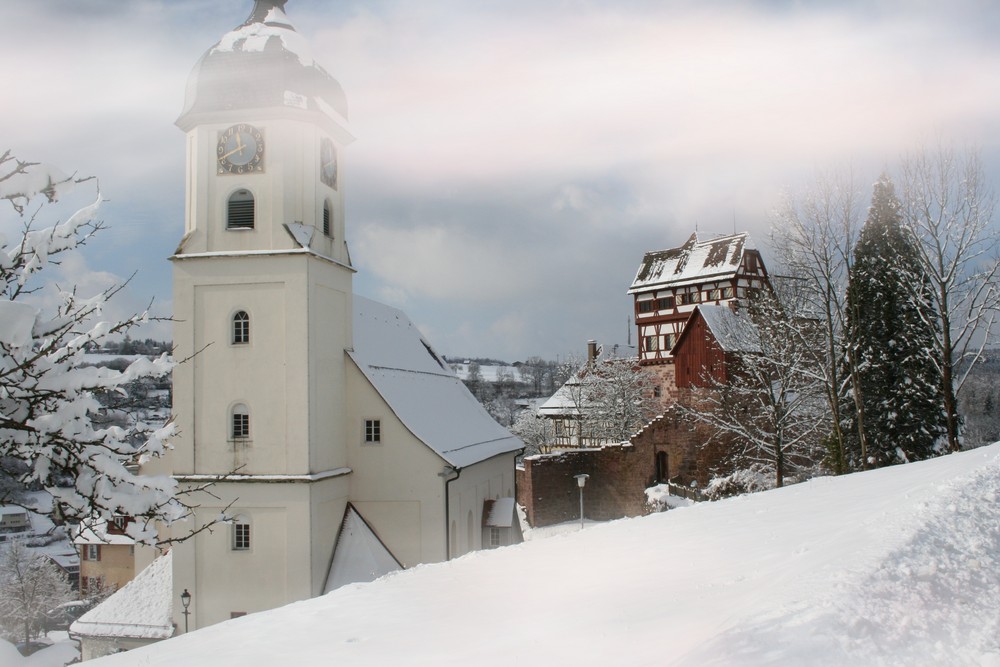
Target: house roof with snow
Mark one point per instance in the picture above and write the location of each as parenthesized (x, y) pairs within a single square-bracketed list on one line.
[(499, 513), (694, 262), (565, 402), (422, 390), (732, 329), (141, 609), (97, 532), (360, 556)]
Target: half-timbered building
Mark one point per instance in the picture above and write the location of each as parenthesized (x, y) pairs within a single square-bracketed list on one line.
[(671, 283)]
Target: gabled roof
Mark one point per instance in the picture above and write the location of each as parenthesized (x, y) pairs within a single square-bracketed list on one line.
[(564, 402), (360, 556), (422, 390), (141, 609), (693, 262), (499, 513), (96, 531), (732, 329)]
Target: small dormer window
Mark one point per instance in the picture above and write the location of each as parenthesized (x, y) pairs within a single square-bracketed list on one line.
[(240, 212)]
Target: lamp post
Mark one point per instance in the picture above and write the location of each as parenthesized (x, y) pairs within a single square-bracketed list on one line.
[(186, 602), (580, 481)]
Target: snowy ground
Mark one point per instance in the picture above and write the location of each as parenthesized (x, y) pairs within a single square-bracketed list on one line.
[(897, 566)]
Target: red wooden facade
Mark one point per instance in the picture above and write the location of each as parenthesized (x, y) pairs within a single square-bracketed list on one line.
[(698, 358)]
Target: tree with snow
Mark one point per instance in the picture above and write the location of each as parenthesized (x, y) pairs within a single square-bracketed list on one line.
[(949, 208), (891, 326), (54, 433), (618, 399), (529, 426), (770, 413), (30, 585), (814, 236)]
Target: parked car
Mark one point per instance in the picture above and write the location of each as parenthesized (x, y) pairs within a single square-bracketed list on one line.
[(61, 617)]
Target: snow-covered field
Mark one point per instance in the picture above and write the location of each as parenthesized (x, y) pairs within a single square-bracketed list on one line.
[(897, 566)]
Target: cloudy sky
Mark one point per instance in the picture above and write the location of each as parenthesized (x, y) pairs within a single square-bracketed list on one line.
[(514, 159)]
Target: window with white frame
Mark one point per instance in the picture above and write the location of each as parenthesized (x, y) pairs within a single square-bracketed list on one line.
[(240, 423), (373, 431), (93, 552), (241, 328), (241, 535)]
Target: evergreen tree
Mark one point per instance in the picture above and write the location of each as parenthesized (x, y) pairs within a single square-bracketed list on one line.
[(896, 399)]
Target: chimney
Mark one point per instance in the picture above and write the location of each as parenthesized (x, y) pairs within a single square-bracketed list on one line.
[(591, 351)]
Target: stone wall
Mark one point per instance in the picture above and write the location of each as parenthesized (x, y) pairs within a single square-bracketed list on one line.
[(619, 474)]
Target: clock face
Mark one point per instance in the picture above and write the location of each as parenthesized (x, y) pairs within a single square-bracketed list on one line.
[(328, 162), (240, 150)]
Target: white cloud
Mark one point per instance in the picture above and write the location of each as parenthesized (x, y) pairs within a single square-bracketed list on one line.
[(513, 158)]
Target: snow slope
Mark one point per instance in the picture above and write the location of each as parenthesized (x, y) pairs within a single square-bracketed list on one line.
[(897, 566)]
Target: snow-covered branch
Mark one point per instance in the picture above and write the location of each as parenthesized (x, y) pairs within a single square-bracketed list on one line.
[(54, 432)]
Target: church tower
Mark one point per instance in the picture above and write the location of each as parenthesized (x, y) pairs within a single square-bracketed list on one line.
[(263, 303)]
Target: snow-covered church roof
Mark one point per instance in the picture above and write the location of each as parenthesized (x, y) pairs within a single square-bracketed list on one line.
[(693, 262), (141, 609), (262, 63), (422, 390)]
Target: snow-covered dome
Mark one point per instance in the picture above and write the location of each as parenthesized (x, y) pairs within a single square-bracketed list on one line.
[(262, 63)]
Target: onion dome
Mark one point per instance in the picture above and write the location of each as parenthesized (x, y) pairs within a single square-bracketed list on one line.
[(263, 63)]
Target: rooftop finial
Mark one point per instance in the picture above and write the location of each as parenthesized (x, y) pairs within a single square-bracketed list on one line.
[(261, 8)]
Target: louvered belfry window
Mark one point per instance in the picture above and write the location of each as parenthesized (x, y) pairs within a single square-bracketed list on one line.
[(326, 218), (240, 213)]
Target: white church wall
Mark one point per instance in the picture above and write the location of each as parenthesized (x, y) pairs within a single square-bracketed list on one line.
[(289, 376), (395, 484), (289, 553), (330, 334), (487, 480)]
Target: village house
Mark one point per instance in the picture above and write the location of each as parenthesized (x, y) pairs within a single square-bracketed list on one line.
[(107, 556), (690, 309)]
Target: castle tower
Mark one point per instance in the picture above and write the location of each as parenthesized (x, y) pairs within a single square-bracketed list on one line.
[(262, 302)]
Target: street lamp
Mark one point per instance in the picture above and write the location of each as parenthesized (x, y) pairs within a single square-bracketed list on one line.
[(580, 481), (186, 602)]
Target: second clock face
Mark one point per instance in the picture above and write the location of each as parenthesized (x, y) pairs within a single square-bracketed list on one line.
[(328, 162), (240, 150)]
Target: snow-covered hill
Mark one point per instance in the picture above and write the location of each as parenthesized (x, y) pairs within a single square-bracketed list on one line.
[(895, 566)]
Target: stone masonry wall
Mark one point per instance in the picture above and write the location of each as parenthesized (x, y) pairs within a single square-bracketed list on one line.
[(619, 474)]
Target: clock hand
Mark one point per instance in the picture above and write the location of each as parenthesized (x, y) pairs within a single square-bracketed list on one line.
[(238, 149)]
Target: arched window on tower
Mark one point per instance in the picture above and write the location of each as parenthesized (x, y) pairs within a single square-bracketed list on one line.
[(327, 219), (240, 422), (241, 328), (240, 211)]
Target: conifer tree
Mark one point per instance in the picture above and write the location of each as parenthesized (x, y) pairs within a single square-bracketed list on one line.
[(896, 400)]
